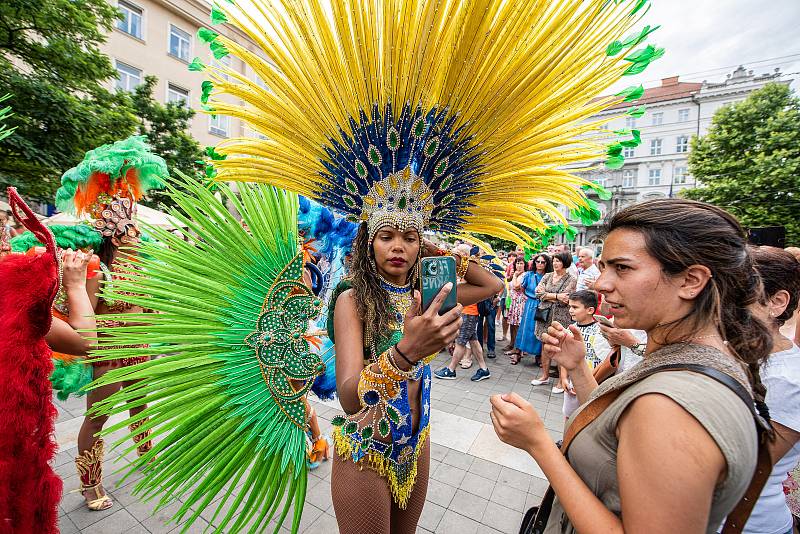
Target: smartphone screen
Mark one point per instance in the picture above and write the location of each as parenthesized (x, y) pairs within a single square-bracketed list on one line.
[(436, 272), (602, 319)]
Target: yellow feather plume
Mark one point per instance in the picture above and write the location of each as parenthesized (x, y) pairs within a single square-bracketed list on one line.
[(521, 77)]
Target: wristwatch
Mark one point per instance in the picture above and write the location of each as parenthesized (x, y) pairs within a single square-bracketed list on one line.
[(639, 349)]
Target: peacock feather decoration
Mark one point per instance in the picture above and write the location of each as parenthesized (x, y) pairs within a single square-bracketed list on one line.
[(226, 402), (457, 116)]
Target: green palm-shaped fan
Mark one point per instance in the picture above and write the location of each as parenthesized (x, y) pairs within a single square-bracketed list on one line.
[(231, 316)]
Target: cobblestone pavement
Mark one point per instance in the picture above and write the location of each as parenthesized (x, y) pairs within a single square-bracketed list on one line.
[(477, 484)]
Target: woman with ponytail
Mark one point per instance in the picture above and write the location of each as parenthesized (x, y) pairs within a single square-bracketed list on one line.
[(669, 446), (780, 274)]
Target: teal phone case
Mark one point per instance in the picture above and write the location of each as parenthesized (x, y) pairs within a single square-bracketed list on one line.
[(436, 271)]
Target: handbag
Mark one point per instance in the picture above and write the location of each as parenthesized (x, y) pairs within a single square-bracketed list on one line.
[(535, 519), (544, 314)]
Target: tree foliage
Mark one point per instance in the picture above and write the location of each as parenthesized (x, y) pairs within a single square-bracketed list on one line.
[(51, 64), (165, 127), (749, 162)]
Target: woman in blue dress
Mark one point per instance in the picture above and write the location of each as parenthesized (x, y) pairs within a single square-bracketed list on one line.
[(526, 340)]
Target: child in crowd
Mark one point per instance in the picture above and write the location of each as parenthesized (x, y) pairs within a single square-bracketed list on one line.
[(582, 306)]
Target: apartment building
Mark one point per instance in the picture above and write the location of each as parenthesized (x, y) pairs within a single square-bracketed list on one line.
[(675, 112), (159, 37)]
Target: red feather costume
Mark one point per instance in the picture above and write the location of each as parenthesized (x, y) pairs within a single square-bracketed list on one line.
[(29, 488)]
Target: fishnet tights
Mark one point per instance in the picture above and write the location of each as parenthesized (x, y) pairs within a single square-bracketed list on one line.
[(363, 503)]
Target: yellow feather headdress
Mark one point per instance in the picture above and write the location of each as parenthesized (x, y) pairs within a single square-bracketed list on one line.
[(459, 115)]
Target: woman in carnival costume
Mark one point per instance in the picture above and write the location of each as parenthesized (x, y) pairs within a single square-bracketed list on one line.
[(405, 117), (29, 284), (105, 186)]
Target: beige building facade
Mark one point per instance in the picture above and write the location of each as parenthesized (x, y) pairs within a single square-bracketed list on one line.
[(159, 38)]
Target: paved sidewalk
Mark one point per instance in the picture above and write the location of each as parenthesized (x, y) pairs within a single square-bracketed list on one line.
[(477, 484)]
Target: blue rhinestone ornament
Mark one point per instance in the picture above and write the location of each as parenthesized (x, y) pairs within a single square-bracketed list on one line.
[(401, 169)]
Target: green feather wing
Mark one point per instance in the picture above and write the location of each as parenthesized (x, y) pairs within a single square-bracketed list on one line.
[(217, 400)]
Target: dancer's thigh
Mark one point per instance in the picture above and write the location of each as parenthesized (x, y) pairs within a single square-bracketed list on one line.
[(361, 499)]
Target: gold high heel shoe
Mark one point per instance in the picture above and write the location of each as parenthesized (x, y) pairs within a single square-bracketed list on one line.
[(142, 439), (90, 471)]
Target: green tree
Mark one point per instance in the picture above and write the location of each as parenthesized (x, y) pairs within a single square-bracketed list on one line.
[(165, 127), (749, 162), (51, 64)]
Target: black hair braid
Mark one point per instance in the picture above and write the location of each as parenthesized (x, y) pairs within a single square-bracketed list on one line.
[(748, 337)]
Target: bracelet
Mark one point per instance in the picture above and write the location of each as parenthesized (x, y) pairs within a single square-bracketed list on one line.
[(390, 369), (398, 351), (462, 265)]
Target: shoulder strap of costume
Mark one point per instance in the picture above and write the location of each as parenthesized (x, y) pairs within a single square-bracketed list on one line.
[(737, 519), (341, 287)]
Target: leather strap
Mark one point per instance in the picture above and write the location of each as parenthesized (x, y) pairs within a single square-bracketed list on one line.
[(738, 517)]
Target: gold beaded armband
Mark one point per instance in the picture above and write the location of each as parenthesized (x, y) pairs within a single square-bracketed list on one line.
[(383, 385), (462, 265)]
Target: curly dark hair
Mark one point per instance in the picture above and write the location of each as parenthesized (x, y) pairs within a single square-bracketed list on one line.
[(372, 302), (548, 263), (680, 233)]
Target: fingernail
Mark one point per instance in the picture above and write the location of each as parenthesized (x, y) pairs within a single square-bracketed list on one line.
[(448, 285)]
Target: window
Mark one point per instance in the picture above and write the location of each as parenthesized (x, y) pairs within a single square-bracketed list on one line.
[(179, 43), (679, 175), (223, 62), (628, 152), (683, 115), (219, 125), (683, 144), (628, 179), (130, 19), (658, 119), (177, 94), (128, 78), (655, 147), (630, 123), (654, 177), (602, 181)]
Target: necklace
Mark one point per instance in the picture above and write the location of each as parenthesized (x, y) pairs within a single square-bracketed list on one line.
[(392, 287), (400, 299)]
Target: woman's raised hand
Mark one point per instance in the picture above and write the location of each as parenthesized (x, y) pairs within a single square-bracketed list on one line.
[(74, 264), (516, 422), (429, 332), (564, 345)]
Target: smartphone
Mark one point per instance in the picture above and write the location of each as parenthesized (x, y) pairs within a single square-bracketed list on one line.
[(602, 319), (436, 272)]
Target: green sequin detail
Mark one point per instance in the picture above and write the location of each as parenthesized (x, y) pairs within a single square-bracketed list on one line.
[(393, 139), (374, 156), (361, 169), (281, 350), (432, 146)]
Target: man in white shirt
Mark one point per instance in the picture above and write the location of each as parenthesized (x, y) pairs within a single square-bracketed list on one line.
[(588, 272)]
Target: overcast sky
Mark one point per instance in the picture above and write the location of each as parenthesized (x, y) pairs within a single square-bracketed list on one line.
[(707, 39)]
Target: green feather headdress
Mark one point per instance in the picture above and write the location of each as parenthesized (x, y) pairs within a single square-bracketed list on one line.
[(125, 169)]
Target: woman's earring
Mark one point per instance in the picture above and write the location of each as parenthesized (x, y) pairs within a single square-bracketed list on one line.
[(414, 274), (372, 265)]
